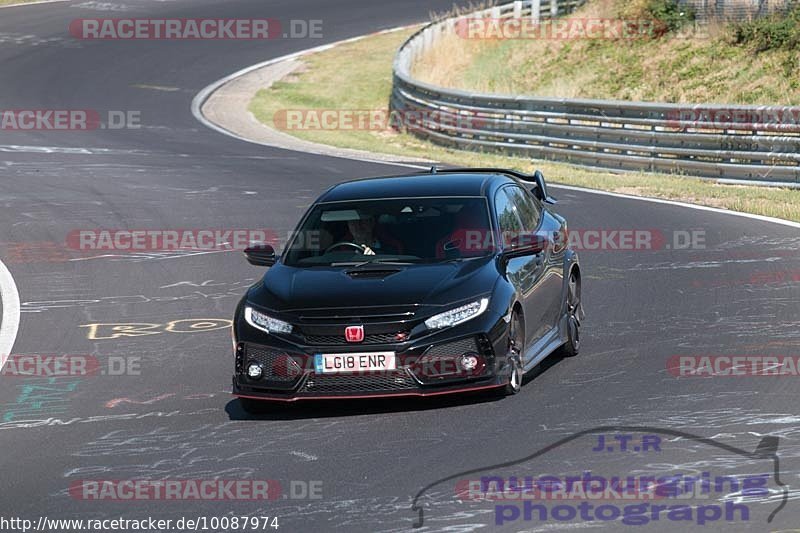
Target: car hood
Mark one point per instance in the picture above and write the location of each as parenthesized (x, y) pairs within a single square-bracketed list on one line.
[(286, 288)]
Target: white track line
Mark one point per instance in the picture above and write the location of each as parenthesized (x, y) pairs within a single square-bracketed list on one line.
[(35, 3), (10, 321), (9, 324), (202, 96), (205, 94), (682, 204)]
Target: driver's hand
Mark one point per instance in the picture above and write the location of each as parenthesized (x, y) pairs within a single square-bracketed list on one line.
[(368, 250)]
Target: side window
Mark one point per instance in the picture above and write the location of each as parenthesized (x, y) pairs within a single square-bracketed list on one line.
[(526, 208), (507, 216)]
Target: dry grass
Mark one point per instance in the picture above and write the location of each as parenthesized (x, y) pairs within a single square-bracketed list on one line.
[(700, 66), (451, 56)]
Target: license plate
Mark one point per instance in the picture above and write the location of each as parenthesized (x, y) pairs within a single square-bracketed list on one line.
[(334, 363)]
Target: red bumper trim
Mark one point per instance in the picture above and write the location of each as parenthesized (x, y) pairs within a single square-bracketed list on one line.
[(365, 396)]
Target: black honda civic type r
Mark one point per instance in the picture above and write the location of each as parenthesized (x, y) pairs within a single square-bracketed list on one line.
[(441, 282)]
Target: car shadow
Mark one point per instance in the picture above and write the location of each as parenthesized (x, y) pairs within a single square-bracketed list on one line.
[(549, 362), (342, 408)]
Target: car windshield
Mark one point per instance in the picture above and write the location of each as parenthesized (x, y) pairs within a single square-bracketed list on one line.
[(406, 230)]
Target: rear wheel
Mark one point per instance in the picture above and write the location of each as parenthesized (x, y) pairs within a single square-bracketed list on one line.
[(516, 347), (573, 344)]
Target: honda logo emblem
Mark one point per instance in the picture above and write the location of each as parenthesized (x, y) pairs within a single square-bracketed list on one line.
[(354, 333)]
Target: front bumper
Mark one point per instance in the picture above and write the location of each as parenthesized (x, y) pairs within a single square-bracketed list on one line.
[(427, 369)]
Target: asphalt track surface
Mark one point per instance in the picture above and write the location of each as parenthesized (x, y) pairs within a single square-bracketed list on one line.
[(738, 295)]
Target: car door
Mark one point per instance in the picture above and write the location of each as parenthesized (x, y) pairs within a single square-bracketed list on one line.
[(550, 231), (523, 272)]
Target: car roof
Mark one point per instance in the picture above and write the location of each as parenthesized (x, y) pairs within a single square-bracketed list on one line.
[(440, 183)]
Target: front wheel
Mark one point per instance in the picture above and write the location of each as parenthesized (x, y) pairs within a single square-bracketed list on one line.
[(516, 347)]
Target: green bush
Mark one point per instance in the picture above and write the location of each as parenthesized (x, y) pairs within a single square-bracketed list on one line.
[(779, 31), (667, 14)]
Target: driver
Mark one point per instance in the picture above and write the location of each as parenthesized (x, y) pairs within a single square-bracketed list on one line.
[(365, 232)]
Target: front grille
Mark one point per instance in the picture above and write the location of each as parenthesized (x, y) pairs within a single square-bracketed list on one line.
[(377, 338), (278, 366), (359, 383)]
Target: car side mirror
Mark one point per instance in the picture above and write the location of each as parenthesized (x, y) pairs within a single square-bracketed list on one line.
[(261, 255), (523, 245), (540, 191)]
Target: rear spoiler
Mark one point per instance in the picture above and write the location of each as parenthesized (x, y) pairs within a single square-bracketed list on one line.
[(539, 189)]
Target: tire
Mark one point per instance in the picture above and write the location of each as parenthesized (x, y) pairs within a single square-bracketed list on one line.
[(516, 347), (573, 344)]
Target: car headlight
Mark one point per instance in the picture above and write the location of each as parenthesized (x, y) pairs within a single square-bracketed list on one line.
[(458, 315), (265, 322)]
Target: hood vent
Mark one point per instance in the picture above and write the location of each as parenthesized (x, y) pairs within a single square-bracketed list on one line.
[(372, 273)]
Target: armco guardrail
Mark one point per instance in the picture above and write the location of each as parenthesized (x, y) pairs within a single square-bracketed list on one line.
[(736, 142)]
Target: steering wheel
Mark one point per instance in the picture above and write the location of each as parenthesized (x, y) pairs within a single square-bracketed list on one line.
[(359, 247)]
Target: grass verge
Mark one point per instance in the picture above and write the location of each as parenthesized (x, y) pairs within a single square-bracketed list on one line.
[(737, 63), (358, 76)]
